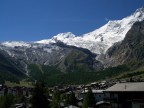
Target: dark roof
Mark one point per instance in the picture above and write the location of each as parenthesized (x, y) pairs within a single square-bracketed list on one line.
[(127, 87), (71, 106)]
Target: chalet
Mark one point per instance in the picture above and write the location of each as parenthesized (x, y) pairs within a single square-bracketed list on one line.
[(127, 95)]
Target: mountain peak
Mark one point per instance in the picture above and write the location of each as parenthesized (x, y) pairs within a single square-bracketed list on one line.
[(64, 35), (60, 37), (139, 14), (141, 10)]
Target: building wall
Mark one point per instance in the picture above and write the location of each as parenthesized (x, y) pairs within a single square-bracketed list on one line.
[(101, 96), (137, 105)]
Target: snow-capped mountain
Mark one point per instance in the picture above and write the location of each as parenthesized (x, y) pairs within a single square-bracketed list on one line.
[(100, 40), (97, 41)]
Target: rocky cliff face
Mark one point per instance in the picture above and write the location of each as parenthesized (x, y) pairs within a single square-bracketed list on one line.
[(130, 51)]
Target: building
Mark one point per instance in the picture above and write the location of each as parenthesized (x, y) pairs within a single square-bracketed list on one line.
[(127, 95), (98, 94)]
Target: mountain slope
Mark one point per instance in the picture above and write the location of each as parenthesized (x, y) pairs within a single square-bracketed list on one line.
[(79, 59), (9, 69), (66, 58), (100, 40), (45, 61), (130, 51)]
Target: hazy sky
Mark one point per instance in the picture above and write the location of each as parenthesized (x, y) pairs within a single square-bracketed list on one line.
[(31, 20)]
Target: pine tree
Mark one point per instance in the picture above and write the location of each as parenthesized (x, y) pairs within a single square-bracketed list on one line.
[(6, 101), (89, 100), (55, 104), (39, 98), (72, 99), (55, 99)]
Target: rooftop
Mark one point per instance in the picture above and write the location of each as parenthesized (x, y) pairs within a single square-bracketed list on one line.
[(127, 87)]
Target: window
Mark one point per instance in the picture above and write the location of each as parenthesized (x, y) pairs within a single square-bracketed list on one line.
[(141, 105)]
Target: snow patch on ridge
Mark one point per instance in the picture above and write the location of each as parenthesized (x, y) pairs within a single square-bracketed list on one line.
[(15, 44)]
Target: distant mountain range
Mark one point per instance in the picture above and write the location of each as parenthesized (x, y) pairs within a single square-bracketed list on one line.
[(118, 42)]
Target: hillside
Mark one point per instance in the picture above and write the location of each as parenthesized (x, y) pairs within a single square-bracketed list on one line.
[(9, 70), (130, 51)]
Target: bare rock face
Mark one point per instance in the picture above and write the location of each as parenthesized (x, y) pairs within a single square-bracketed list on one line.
[(130, 51)]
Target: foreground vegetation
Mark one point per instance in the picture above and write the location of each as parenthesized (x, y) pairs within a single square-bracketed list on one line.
[(8, 100)]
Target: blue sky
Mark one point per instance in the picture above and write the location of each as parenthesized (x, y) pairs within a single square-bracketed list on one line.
[(32, 20)]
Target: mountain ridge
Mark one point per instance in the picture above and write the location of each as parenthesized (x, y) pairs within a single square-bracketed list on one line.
[(99, 40)]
